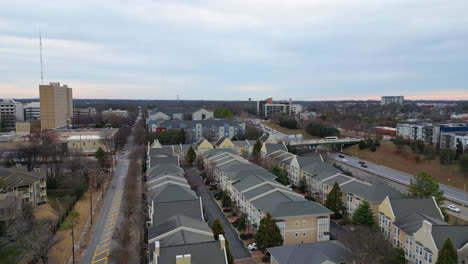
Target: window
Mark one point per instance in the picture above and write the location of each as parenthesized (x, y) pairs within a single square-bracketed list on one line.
[(297, 223), (323, 222), (425, 255), (296, 234), (430, 258), (303, 234)]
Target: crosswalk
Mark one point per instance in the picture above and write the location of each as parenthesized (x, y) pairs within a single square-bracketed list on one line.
[(102, 250)]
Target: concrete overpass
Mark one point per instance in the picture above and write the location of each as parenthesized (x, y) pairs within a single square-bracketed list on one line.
[(316, 142)]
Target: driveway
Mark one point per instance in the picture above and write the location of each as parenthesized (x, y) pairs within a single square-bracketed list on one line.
[(213, 211)]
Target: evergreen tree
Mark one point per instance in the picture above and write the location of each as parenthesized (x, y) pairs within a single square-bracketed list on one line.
[(268, 233), (257, 148), (398, 256), (459, 150), (447, 254), (334, 201), (217, 229), (463, 162), (182, 136), (99, 153), (281, 174), (242, 225), (447, 156), (191, 156), (424, 186), (303, 185), (226, 200), (363, 215), (362, 144)]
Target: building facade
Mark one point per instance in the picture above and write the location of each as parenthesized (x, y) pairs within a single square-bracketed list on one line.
[(32, 111), (56, 105), (30, 186), (267, 107), (10, 112), (84, 112), (386, 100)]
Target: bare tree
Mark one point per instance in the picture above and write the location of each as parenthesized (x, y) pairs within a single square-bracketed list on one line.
[(107, 139), (29, 154), (39, 240), (366, 245), (16, 227)]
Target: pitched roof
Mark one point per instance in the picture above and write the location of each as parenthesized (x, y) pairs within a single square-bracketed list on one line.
[(272, 147), (412, 222), (311, 253), (403, 207), (164, 211), (458, 234), (201, 253), (160, 160), (338, 178), (164, 168), (165, 151), (171, 193), (19, 179), (370, 192), (220, 141)]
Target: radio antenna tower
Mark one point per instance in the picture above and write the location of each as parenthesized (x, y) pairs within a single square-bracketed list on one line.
[(40, 49)]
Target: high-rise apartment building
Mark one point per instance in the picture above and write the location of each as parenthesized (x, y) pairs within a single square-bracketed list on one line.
[(56, 105), (386, 100), (10, 111), (32, 111)]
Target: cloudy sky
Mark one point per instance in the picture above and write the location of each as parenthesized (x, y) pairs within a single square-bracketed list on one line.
[(300, 49)]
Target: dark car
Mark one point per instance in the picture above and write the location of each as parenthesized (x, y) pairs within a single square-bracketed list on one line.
[(361, 162), (341, 156), (364, 165)]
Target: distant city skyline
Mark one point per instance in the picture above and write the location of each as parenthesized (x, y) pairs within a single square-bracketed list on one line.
[(219, 50)]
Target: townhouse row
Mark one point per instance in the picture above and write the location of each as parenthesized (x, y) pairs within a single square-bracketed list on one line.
[(177, 231), (321, 176), (417, 226), (255, 192)]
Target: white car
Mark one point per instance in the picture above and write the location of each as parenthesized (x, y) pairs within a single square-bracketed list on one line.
[(453, 208), (252, 246)]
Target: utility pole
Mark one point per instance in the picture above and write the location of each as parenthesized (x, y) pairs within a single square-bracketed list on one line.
[(73, 244), (91, 202)]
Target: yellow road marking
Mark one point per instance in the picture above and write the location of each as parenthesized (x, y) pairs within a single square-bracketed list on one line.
[(113, 214), (115, 210), (106, 239), (110, 233), (117, 199), (104, 246), (108, 228), (104, 258), (112, 218), (116, 206), (110, 223), (116, 203)]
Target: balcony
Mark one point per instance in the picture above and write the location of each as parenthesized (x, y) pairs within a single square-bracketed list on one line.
[(42, 184), (43, 193)]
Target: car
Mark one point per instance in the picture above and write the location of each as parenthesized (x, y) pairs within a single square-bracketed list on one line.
[(364, 165), (213, 183), (341, 156), (453, 208), (345, 160), (252, 246), (235, 220), (124, 149), (361, 162)]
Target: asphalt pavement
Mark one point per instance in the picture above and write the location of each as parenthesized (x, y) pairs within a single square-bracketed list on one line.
[(404, 179), (101, 241), (213, 211)]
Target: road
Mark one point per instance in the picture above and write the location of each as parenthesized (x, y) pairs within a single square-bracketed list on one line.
[(404, 179), (101, 241), (213, 211)]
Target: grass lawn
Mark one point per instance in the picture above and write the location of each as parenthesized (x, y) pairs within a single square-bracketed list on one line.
[(62, 195), (288, 131), (72, 217), (10, 253), (388, 156)]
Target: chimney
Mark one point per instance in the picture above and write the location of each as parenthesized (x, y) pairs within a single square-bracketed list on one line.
[(184, 259), (222, 241), (156, 248), (427, 226)]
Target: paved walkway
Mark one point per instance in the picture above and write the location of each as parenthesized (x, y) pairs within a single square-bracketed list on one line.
[(213, 211)]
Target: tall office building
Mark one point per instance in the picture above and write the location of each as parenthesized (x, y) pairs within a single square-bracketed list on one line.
[(10, 111), (56, 105), (32, 111), (386, 100)]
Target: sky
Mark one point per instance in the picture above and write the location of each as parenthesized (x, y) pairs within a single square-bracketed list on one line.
[(235, 50)]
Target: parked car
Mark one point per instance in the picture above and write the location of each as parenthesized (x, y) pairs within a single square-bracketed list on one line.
[(235, 220), (252, 246), (341, 156), (217, 195), (213, 183), (364, 165), (361, 162), (453, 208)]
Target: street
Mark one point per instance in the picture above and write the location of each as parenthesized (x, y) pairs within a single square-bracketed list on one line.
[(213, 211), (397, 179), (101, 242)]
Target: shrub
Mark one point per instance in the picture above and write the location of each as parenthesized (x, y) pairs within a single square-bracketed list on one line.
[(288, 123), (234, 214), (227, 210), (265, 258), (372, 148)]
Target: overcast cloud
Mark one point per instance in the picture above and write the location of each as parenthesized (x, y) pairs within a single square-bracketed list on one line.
[(305, 50)]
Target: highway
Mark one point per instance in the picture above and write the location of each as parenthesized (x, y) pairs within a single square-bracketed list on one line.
[(101, 241), (450, 194)]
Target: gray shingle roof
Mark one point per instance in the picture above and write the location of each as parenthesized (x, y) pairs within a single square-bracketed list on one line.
[(171, 193), (241, 143), (180, 238), (201, 253), (160, 160), (272, 147), (411, 223), (339, 178), (371, 193), (311, 253), (164, 168), (403, 207), (164, 151), (458, 234)]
